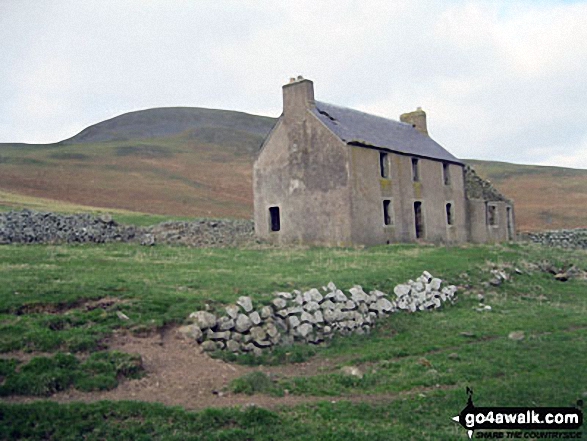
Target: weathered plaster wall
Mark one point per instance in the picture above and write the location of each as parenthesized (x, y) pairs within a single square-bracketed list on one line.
[(332, 193), (303, 169), (369, 190), (480, 231)]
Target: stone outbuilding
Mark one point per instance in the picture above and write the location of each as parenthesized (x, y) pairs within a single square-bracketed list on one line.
[(330, 175)]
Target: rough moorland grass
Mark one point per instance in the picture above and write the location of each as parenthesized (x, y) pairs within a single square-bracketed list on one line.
[(422, 362), (255, 382), (43, 376), (13, 201)]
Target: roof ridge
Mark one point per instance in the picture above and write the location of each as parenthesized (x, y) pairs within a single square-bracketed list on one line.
[(352, 125), (371, 115)]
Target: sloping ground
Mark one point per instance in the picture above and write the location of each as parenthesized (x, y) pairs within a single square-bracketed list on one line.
[(209, 125), (173, 161), (198, 163), (159, 176), (545, 198)]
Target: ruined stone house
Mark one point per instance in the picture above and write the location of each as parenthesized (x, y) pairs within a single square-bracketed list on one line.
[(331, 175)]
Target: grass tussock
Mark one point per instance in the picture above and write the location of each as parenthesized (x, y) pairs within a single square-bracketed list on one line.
[(44, 376)]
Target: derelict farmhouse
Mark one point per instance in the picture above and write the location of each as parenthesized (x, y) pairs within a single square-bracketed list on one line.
[(335, 176)]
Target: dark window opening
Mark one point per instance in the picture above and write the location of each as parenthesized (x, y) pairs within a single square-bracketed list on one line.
[(275, 221), (491, 215), (387, 218), (419, 220), (449, 214), (384, 164), (446, 173), (415, 170)]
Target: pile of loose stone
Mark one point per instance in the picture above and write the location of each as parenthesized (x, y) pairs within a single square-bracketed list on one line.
[(203, 232), (479, 188), (576, 238), (311, 317), (27, 226)]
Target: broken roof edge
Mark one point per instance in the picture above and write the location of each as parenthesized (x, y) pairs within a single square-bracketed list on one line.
[(370, 115), (477, 188)]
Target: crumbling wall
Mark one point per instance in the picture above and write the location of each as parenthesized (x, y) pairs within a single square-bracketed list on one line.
[(27, 227), (479, 188), (575, 238), (310, 317)]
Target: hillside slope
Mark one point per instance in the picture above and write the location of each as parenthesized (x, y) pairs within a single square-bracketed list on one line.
[(544, 197), (198, 163), (170, 161)]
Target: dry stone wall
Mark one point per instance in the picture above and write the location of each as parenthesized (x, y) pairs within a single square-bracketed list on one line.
[(576, 238), (311, 317), (29, 226)]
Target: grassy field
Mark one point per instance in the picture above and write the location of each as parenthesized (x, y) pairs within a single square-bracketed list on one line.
[(416, 366)]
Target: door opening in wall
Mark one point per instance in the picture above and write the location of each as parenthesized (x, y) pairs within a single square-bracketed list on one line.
[(509, 223), (419, 220), (275, 222)]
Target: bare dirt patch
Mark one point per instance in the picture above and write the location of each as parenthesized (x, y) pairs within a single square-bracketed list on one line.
[(180, 374)]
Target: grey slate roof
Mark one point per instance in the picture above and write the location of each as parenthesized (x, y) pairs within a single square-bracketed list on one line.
[(352, 126)]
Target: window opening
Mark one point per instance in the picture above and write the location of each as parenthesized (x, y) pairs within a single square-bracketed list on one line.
[(275, 221), (384, 164), (449, 214), (387, 218), (446, 173), (491, 215), (415, 170)]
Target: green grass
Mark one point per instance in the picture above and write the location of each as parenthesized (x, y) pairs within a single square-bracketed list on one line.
[(255, 382), (12, 201), (418, 364), (43, 376)]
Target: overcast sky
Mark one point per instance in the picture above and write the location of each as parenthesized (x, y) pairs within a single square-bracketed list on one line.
[(499, 80)]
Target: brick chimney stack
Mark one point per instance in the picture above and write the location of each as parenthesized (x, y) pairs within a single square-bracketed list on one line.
[(417, 119), (298, 95)]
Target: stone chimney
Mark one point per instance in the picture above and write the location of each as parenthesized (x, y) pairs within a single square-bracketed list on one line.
[(417, 119), (298, 95)]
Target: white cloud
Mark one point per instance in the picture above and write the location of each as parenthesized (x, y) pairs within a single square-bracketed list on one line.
[(499, 80)]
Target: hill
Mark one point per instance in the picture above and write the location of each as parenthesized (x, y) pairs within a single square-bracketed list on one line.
[(195, 162), (169, 161), (545, 197)]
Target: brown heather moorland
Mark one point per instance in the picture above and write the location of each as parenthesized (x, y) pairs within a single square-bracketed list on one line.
[(198, 163)]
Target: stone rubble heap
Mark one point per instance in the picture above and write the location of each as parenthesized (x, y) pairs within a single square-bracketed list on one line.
[(576, 238), (29, 226), (204, 232), (311, 317)]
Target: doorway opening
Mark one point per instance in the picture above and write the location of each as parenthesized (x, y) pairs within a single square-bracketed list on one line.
[(419, 220), (509, 223)]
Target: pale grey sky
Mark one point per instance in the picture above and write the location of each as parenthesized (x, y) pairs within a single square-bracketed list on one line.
[(499, 80)]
